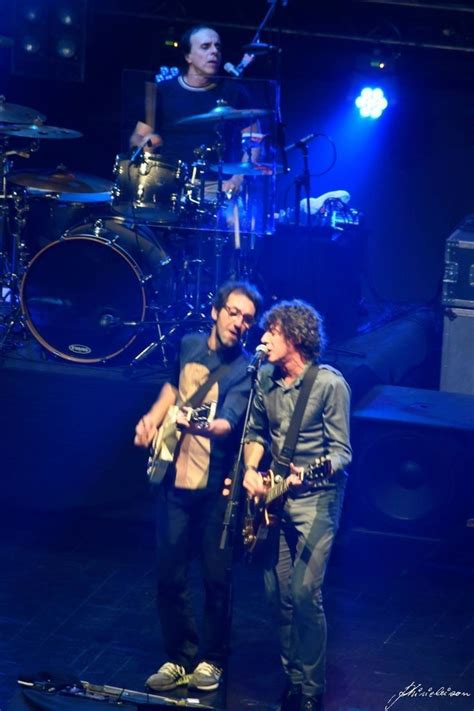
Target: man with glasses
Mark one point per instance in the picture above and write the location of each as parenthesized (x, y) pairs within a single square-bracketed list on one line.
[(190, 505)]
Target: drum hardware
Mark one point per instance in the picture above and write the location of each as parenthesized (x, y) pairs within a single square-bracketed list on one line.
[(148, 189), (222, 113), (39, 131), (81, 294), (63, 185), (14, 113), (249, 168)]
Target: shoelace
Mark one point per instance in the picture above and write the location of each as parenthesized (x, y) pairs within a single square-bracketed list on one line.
[(173, 669), (208, 668)]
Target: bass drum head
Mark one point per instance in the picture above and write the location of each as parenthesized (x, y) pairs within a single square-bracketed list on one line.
[(79, 292)]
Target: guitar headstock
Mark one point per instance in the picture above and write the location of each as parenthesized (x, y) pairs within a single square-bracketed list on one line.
[(320, 469)]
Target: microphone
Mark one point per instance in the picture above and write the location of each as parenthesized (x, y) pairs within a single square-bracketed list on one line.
[(302, 142), (260, 354), (139, 150), (239, 69)]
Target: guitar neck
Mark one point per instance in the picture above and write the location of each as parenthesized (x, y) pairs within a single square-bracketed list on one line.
[(276, 491)]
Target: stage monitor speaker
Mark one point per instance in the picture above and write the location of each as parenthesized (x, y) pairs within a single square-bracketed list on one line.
[(457, 357), (413, 458)]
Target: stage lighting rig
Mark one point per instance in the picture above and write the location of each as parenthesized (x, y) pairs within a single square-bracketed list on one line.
[(50, 39)]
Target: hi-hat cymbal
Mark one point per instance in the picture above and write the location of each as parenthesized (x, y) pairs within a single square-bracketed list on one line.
[(39, 131), (14, 113), (223, 113), (68, 186), (254, 169)]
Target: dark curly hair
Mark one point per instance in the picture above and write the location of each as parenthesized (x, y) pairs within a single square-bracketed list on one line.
[(240, 287), (300, 324)]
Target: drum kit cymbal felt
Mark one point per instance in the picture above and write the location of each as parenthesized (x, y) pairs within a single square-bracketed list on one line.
[(89, 266)]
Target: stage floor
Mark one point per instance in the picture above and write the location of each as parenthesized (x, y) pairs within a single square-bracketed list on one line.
[(77, 593)]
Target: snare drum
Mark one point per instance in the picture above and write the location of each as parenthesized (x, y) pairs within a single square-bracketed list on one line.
[(148, 189)]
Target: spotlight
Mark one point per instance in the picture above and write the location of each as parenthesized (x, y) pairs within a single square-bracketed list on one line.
[(50, 39), (32, 13), (31, 45), (66, 48), (371, 102)]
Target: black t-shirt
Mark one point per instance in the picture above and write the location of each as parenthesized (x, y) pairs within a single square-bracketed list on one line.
[(176, 100)]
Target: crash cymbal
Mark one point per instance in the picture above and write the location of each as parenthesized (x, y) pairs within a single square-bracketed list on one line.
[(38, 131), (14, 113), (254, 169), (67, 185), (223, 112)]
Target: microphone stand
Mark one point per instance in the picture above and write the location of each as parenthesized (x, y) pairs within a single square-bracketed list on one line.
[(228, 524)]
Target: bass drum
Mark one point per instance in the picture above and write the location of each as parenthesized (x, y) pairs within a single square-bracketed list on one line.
[(80, 292)]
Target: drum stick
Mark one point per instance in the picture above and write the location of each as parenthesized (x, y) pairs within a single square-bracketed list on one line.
[(150, 103), (236, 226)]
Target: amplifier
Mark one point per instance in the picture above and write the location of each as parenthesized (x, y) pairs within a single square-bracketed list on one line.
[(457, 356), (458, 279)]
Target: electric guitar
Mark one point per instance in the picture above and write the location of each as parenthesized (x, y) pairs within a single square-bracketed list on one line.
[(166, 438), (259, 518)]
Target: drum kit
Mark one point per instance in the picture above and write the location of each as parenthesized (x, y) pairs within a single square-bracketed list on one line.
[(89, 266)]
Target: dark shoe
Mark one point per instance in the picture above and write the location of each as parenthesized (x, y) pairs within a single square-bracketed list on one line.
[(311, 703), (291, 699)]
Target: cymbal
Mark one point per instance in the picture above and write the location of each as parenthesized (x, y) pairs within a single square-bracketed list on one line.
[(254, 169), (14, 113), (223, 113), (38, 131), (67, 185)]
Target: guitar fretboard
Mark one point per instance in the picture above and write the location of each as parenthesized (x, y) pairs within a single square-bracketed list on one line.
[(276, 491)]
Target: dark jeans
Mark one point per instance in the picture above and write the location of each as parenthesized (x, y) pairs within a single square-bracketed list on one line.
[(189, 524), (293, 581)]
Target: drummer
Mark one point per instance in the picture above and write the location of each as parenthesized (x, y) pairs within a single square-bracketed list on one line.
[(193, 92)]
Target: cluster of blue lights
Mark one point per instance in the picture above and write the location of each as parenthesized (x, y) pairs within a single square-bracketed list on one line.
[(371, 102)]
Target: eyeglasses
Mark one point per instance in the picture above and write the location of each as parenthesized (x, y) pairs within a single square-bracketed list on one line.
[(234, 312)]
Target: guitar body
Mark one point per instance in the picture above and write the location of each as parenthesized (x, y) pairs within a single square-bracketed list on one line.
[(165, 442), (262, 516)]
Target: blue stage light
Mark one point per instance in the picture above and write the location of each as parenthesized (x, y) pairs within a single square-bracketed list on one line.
[(371, 102)]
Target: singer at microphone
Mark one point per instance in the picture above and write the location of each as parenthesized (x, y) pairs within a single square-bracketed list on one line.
[(257, 359)]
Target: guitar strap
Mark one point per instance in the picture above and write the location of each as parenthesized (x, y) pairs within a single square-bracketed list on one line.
[(203, 389), (282, 461)]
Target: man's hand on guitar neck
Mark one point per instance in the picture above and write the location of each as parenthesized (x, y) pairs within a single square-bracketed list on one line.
[(256, 487)]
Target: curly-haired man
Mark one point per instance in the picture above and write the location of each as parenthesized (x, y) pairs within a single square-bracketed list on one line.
[(294, 570)]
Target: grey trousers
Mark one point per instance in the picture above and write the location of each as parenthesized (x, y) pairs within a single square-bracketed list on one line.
[(294, 576)]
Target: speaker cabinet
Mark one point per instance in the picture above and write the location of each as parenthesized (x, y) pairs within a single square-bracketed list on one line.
[(413, 458), (457, 357)]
